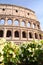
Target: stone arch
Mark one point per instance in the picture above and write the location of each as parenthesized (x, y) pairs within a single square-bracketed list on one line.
[(1, 33), (28, 24), (36, 36), (16, 33), (9, 33), (9, 21), (23, 23), (2, 21), (16, 22), (34, 25), (24, 34), (30, 34)]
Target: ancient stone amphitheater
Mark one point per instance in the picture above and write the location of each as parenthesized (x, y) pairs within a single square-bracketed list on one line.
[(19, 24)]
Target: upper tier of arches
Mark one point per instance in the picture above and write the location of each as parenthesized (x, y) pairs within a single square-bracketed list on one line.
[(22, 23)]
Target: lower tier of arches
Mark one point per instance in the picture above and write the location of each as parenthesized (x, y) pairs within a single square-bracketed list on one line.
[(20, 34)]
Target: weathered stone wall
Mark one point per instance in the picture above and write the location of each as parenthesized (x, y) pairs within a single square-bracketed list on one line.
[(13, 12)]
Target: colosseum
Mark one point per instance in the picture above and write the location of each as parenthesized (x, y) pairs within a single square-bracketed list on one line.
[(19, 24)]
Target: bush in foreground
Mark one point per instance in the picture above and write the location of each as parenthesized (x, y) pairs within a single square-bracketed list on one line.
[(31, 53), (28, 53)]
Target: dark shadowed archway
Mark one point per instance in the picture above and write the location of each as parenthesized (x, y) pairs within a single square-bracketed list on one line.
[(1, 33), (9, 34), (30, 35), (16, 34), (24, 34), (36, 35)]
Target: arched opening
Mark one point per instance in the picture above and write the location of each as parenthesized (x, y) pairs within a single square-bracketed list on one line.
[(16, 34), (40, 36), (16, 23), (9, 34), (38, 26), (28, 24), (30, 35), (23, 23), (24, 34), (34, 25), (1, 33), (2, 21), (9, 22), (36, 36)]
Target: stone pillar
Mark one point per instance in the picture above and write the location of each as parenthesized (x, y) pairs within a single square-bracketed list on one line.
[(13, 21), (34, 35), (27, 35), (26, 23), (21, 34), (31, 25), (5, 31), (20, 22), (12, 34), (6, 21)]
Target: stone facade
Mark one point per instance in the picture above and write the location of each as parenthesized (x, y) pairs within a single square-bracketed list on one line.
[(19, 24)]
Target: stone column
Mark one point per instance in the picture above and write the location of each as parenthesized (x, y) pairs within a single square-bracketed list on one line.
[(20, 22), (13, 21), (12, 34), (26, 23), (34, 35), (31, 25), (21, 35), (5, 31), (27, 35), (6, 21)]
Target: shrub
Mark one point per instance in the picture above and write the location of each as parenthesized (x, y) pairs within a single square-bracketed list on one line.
[(31, 53), (28, 53)]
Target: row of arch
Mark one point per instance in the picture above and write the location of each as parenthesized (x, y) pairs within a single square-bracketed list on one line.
[(17, 34), (16, 23)]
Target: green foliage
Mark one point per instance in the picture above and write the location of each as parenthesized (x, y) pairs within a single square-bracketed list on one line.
[(32, 53), (28, 53), (10, 54)]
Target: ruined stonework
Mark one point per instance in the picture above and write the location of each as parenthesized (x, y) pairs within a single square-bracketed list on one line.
[(19, 24)]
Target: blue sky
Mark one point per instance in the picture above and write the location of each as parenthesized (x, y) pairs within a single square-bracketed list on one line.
[(36, 5)]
